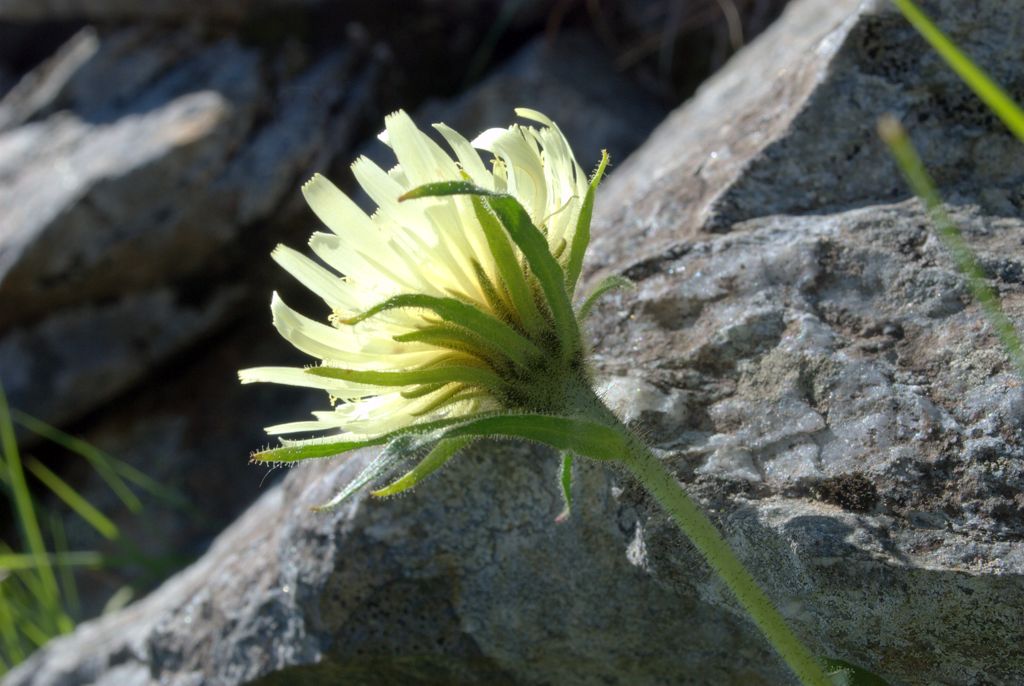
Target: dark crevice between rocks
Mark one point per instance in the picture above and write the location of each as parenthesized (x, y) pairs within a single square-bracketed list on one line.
[(23, 47)]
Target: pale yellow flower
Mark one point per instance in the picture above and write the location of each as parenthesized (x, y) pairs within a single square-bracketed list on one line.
[(452, 318), (435, 247)]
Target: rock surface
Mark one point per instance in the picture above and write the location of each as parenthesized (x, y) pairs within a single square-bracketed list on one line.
[(82, 357), (790, 128), (404, 592), (140, 178), (131, 164), (602, 110), (801, 352)]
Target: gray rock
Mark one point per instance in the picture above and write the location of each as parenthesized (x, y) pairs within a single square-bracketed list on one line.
[(141, 158), (83, 357), (39, 88), (67, 248), (788, 126), (573, 80), (406, 591), (815, 375), (145, 178)]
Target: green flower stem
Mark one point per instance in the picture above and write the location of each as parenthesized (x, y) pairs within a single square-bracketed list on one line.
[(649, 470), (689, 516)]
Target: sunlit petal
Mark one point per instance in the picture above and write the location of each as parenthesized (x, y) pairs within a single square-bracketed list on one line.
[(432, 246)]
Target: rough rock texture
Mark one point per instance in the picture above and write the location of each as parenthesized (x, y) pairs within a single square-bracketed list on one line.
[(447, 586), (830, 376), (789, 127), (157, 168), (800, 350)]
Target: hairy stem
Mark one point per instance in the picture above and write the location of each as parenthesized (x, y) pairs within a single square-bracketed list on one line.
[(723, 561), (688, 515)]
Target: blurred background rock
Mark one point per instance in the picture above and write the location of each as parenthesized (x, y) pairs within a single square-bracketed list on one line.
[(151, 155)]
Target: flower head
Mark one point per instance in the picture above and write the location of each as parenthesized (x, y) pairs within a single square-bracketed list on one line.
[(452, 318), (452, 300)]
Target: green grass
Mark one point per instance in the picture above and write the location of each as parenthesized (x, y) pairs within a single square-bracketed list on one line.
[(30, 597), (917, 177), (38, 593), (909, 162), (991, 93)]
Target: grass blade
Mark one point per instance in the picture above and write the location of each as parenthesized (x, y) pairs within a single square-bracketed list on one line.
[(25, 510), (82, 507), (35, 627), (909, 162), (984, 87), (68, 587), (18, 562), (104, 464), (13, 652)]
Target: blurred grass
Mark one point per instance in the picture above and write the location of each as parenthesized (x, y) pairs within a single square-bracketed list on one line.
[(909, 161), (38, 592), (116, 473), (31, 611), (990, 92)]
